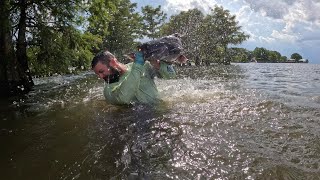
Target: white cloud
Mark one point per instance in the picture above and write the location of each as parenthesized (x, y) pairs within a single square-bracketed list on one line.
[(300, 24), (301, 31), (268, 40), (175, 6), (283, 36), (272, 8), (300, 17)]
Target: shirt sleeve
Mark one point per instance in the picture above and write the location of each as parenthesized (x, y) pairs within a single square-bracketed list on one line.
[(123, 91), (166, 71)]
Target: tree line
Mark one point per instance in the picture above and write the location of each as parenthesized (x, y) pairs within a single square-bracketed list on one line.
[(260, 54), (40, 37)]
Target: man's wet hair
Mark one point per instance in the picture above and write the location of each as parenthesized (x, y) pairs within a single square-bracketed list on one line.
[(104, 57)]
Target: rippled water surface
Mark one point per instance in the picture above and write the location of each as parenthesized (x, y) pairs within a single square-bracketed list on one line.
[(244, 121)]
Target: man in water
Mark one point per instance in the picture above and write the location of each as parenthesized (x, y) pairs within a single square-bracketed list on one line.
[(132, 82)]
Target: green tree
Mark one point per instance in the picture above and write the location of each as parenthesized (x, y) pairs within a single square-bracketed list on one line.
[(100, 14), (220, 30), (296, 56), (15, 74), (13, 79), (283, 59), (261, 54), (273, 56), (239, 55), (60, 50), (207, 36), (188, 25), (153, 18), (55, 43), (45, 39), (124, 28)]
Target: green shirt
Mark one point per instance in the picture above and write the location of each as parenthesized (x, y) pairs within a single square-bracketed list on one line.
[(137, 84)]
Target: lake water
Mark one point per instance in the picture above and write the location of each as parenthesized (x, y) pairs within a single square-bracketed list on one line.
[(244, 121)]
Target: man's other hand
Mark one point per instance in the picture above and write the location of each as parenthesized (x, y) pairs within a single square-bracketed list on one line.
[(138, 58)]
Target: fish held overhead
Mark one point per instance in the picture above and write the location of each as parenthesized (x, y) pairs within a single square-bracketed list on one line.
[(168, 49)]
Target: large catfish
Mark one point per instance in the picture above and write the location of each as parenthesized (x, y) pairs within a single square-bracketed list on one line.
[(168, 49)]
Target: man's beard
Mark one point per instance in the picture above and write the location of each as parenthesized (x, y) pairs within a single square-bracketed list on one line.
[(113, 77)]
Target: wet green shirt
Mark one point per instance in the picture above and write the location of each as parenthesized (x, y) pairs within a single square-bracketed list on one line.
[(137, 84)]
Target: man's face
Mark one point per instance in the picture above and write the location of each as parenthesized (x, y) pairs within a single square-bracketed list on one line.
[(109, 74), (102, 70)]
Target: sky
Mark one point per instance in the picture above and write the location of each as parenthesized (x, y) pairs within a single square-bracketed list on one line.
[(286, 26)]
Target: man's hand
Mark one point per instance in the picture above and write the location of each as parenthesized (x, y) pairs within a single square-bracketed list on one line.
[(182, 59), (155, 64), (114, 63)]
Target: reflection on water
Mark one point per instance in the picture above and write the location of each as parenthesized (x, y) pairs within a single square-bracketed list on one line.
[(244, 121)]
